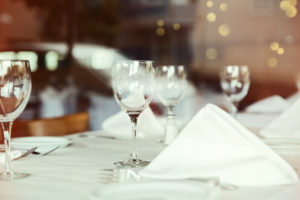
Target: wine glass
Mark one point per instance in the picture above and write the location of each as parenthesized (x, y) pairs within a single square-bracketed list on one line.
[(15, 88), (133, 86), (235, 83), (170, 86)]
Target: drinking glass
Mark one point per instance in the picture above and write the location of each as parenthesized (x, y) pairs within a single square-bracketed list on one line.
[(170, 86), (15, 88), (133, 86), (235, 82)]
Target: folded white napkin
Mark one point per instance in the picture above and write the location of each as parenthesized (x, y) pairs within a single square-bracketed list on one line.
[(286, 125), (14, 154), (213, 144), (52, 102), (119, 125), (272, 104), (290, 193)]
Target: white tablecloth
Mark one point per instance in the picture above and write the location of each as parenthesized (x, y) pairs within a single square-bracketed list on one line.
[(72, 172)]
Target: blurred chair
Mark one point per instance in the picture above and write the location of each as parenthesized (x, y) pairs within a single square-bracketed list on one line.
[(57, 126)]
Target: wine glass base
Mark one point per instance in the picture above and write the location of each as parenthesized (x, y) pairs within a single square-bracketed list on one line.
[(12, 176), (132, 163)]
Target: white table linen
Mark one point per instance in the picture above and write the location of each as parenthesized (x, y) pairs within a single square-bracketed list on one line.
[(213, 144), (285, 125), (73, 172), (14, 154), (272, 104)]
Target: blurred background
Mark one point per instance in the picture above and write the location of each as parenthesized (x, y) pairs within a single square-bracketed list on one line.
[(72, 44)]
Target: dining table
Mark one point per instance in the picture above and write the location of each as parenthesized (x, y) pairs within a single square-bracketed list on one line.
[(74, 171)]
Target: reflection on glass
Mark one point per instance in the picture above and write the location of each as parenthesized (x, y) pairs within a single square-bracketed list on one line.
[(133, 87), (170, 83), (235, 82), (15, 88)]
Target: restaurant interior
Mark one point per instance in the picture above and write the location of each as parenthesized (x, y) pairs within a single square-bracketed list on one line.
[(73, 48)]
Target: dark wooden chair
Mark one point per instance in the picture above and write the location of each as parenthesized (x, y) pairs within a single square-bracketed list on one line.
[(58, 126)]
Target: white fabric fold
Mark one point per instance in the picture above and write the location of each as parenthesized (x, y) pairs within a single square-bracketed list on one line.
[(213, 144), (285, 125), (272, 104), (14, 154), (119, 126)]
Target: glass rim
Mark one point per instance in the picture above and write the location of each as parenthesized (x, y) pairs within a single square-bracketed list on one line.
[(242, 65), (179, 65), (135, 60), (15, 60)]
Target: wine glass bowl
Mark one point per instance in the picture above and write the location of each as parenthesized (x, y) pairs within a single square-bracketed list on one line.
[(15, 88), (133, 87), (235, 83), (171, 84)]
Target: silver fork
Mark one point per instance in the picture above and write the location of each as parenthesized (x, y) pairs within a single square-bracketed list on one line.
[(116, 175)]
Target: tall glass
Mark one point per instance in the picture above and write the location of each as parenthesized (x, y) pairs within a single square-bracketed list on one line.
[(235, 83), (15, 88), (170, 86), (133, 86)]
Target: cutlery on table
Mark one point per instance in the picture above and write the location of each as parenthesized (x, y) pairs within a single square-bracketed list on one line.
[(122, 175), (47, 152), (26, 153)]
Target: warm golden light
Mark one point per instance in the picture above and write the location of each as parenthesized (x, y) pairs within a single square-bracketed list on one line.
[(274, 46), (280, 51), (292, 2), (223, 6), (291, 12), (160, 23), (211, 53), (160, 31), (272, 62), (284, 5), (289, 7), (224, 30), (209, 4), (176, 26), (211, 17)]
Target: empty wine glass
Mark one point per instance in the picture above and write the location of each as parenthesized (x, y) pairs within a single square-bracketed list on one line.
[(235, 82), (170, 86), (15, 88), (133, 86)]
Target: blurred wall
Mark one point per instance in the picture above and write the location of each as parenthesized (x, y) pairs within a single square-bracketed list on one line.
[(17, 22), (243, 32)]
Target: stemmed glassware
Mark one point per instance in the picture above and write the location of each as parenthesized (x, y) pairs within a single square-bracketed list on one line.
[(15, 88), (170, 83), (133, 86), (235, 83)]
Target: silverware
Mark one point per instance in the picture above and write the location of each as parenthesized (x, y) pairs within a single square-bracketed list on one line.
[(123, 175), (46, 153), (26, 153)]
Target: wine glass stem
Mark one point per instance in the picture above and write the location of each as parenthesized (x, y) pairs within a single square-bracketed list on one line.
[(235, 108), (171, 111), (134, 154), (6, 127)]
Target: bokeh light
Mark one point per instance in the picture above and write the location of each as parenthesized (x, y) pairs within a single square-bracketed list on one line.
[(211, 54), (211, 17), (272, 62), (223, 6), (224, 30)]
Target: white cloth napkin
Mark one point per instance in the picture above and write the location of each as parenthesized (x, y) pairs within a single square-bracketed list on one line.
[(14, 154), (213, 144), (52, 102), (272, 104), (286, 125), (119, 125), (290, 193)]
